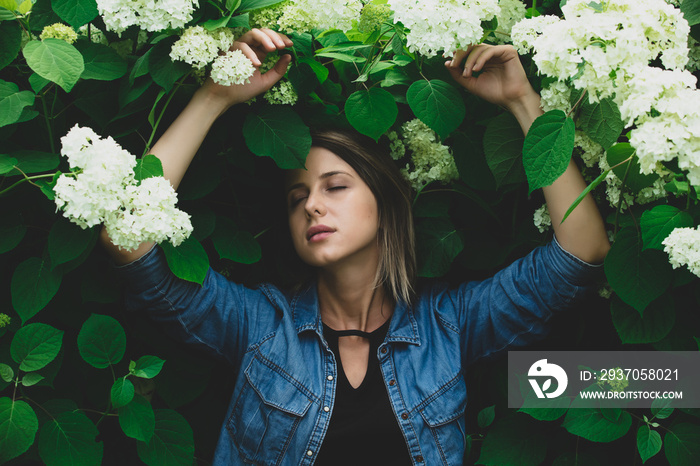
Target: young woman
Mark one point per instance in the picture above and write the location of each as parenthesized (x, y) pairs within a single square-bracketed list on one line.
[(359, 366)]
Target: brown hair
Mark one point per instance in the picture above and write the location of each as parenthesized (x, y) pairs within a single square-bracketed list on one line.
[(397, 262)]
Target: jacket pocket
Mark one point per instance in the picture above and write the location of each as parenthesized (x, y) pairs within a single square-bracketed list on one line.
[(444, 416), (267, 412)]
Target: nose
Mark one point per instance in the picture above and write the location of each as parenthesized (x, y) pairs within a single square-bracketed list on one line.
[(314, 205)]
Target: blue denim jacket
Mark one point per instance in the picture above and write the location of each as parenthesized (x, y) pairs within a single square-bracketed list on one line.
[(283, 398)]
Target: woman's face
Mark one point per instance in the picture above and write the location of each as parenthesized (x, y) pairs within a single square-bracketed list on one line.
[(333, 215)]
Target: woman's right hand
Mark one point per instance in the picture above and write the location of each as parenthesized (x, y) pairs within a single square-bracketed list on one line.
[(255, 45)]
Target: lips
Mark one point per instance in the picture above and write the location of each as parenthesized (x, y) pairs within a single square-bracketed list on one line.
[(318, 232)]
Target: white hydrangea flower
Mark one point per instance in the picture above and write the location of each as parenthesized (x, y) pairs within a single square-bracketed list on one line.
[(524, 33), (589, 150), (431, 160), (59, 31), (197, 46), (443, 25), (96, 35), (151, 15), (232, 68), (556, 96), (282, 93), (683, 248), (541, 219), (305, 15), (396, 146), (511, 12), (102, 189)]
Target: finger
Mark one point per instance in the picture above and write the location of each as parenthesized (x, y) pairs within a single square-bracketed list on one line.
[(274, 37), (473, 58), (459, 57), (248, 52), (276, 73), (259, 38)]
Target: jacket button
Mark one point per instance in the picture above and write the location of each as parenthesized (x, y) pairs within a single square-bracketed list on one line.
[(404, 416), (419, 459), (309, 453), (383, 350), (392, 382), (330, 377)]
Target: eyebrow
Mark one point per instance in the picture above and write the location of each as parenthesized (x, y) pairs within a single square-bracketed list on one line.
[(323, 176)]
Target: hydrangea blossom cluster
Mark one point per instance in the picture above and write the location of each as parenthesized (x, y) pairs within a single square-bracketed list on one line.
[(4, 320), (102, 189), (443, 25), (373, 16), (683, 248), (199, 47), (541, 219), (232, 68), (151, 15), (511, 12), (59, 31), (431, 160), (305, 15), (282, 93)]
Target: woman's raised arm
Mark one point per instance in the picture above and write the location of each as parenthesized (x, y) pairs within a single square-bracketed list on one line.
[(178, 145), (502, 81)]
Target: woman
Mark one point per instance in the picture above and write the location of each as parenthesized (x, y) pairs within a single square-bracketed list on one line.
[(358, 367)]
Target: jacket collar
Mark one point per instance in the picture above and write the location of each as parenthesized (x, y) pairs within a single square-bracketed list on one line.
[(307, 316)]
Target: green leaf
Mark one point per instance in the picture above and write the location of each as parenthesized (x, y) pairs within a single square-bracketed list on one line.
[(278, 133), (593, 424), (7, 163), (101, 62), (503, 145), (486, 416), (31, 378), (75, 12), (68, 241), (6, 373), (137, 419), (659, 222), (601, 121), (32, 161), (691, 11), (148, 167), (122, 392), (101, 341), (147, 367), (514, 441), (6, 15), (189, 261), (55, 60), (69, 440), (11, 40), (661, 408), (162, 68), (637, 276), (371, 111), (648, 442), (653, 326), (437, 104), (12, 102), (547, 148), (32, 287), (682, 445), (438, 243), (395, 78), (12, 231), (47, 186), (42, 15), (248, 5), (172, 442), (630, 171), (35, 345), (231, 242), (18, 426), (344, 57)]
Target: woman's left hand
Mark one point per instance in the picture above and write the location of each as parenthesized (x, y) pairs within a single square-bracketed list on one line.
[(502, 79)]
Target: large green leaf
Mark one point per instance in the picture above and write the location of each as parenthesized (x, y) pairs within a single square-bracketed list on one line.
[(278, 133), (35, 345), (7, 163), (75, 12), (371, 111), (33, 161), (594, 424), (231, 242), (682, 445), (601, 121), (146, 367), (137, 419), (69, 440), (18, 426), (691, 11), (101, 62), (32, 287), (172, 443), (514, 441), (148, 167), (189, 261), (11, 39), (55, 60), (437, 104), (638, 277), (68, 241), (503, 146), (648, 442), (101, 341), (629, 171), (42, 15), (438, 243), (659, 222), (12, 102), (654, 325), (12, 231), (547, 148), (122, 392)]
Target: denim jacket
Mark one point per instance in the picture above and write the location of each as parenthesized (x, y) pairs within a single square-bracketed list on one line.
[(283, 397)]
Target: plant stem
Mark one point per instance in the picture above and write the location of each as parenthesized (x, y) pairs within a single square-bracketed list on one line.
[(48, 123), (576, 104), (26, 178)]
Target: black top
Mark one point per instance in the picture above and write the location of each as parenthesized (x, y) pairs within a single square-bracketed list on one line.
[(363, 428)]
